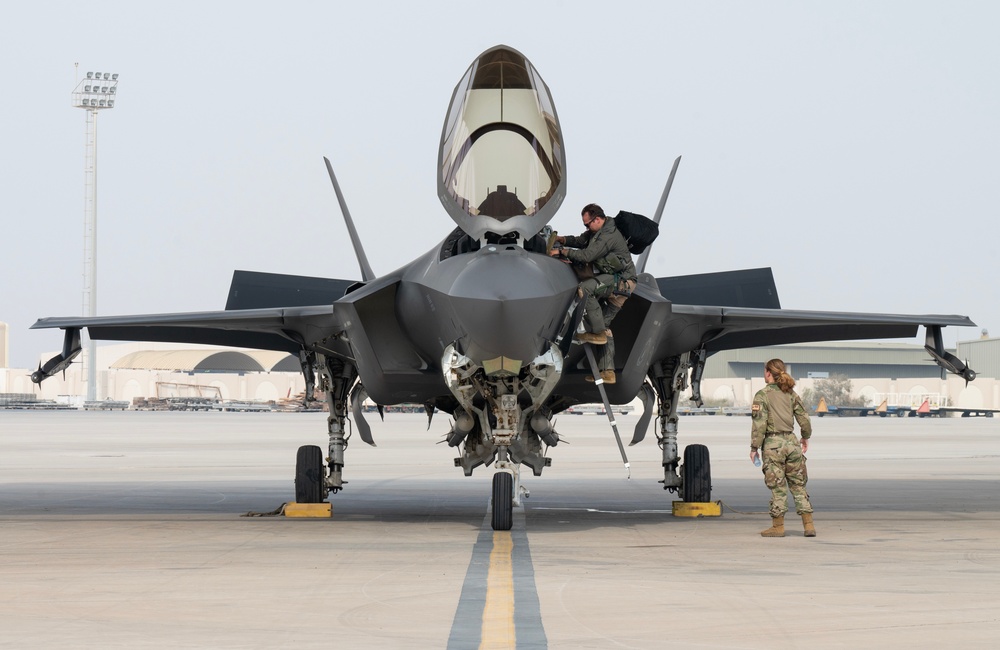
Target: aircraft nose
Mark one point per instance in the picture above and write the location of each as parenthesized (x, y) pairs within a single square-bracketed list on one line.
[(511, 303)]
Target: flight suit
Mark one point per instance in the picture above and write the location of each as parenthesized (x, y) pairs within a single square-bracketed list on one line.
[(608, 252), (784, 465)]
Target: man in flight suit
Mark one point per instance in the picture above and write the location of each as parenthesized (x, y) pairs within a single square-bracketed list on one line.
[(602, 248)]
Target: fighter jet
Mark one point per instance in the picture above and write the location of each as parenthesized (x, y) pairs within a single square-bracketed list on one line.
[(482, 326)]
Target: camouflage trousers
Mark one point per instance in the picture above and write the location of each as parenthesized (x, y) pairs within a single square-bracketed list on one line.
[(784, 470)]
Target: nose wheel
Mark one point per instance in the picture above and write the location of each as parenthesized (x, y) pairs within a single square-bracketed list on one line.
[(503, 501)]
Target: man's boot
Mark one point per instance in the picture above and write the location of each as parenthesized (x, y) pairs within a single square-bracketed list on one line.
[(591, 337), (607, 375), (777, 528), (807, 523)]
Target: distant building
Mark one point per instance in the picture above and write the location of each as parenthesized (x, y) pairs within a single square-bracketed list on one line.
[(897, 372), (857, 360), (129, 370), (982, 355)]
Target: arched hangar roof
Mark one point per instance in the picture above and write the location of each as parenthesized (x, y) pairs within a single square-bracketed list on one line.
[(209, 361)]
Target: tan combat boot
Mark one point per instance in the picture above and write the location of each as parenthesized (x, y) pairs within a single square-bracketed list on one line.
[(598, 338), (777, 528), (807, 523), (607, 375)]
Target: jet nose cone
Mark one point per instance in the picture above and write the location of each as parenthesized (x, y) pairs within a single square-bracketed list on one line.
[(501, 159), (511, 303)]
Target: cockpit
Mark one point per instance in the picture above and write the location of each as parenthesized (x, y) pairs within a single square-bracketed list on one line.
[(501, 163)]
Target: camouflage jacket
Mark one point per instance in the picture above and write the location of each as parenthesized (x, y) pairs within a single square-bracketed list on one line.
[(773, 411), (606, 249)]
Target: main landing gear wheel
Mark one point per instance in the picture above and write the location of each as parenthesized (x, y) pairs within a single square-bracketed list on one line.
[(309, 475), (696, 473), (503, 501)]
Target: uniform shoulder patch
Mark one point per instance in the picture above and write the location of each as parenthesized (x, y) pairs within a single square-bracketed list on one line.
[(755, 408)]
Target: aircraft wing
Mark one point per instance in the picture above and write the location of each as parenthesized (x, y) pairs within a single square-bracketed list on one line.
[(728, 328), (740, 309), (282, 329), (291, 330), (362, 328), (652, 329)]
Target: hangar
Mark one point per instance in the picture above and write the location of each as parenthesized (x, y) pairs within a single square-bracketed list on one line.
[(205, 360), (901, 373), (129, 370)]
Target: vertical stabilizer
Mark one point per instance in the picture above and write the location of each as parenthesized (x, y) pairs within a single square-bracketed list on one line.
[(640, 264), (359, 251)]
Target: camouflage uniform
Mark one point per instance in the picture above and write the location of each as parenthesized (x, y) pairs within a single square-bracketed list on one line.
[(608, 252), (784, 465)]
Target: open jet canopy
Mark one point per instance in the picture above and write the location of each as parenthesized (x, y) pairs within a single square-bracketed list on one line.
[(501, 163)]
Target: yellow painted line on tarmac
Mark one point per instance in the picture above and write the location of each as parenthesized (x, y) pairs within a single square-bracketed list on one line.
[(498, 613), (499, 605)]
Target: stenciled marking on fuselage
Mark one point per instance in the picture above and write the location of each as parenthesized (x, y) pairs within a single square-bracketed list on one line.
[(499, 607)]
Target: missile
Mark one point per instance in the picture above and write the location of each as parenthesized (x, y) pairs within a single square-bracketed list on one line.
[(934, 345), (70, 350)]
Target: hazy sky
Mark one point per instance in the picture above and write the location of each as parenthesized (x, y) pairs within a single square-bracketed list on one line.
[(854, 147)]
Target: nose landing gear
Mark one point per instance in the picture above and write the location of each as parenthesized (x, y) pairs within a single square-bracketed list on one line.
[(503, 501)]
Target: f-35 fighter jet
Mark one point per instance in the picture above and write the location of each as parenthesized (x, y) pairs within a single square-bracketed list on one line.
[(481, 326)]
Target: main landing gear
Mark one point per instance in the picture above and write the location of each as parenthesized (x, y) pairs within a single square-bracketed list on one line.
[(503, 422), (692, 480), (696, 475), (309, 475), (313, 483)]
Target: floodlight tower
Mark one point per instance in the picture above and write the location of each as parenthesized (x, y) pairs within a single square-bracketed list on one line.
[(95, 93)]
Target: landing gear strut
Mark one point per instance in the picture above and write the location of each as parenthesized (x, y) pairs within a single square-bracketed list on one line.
[(693, 480), (502, 420), (336, 378)]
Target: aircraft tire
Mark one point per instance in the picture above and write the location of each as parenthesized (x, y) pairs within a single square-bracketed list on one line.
[(309, 474), (696, 474), (503, 501)]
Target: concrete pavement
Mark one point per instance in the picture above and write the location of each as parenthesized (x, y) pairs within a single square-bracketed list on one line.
[(123, 529)]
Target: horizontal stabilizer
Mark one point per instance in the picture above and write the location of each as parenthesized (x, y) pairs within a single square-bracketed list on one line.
[(746, 288), (253, 290)]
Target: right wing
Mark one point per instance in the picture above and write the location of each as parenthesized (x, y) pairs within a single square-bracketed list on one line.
[(287, 329), (361, 328)]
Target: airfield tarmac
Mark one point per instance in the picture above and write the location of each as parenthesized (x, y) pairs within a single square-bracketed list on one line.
[(124, 530)]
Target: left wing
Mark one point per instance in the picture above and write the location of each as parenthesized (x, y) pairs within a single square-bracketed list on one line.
[(728, 328), (651, 330)]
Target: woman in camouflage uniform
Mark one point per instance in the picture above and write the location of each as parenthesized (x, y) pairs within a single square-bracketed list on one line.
[(774, 408)]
